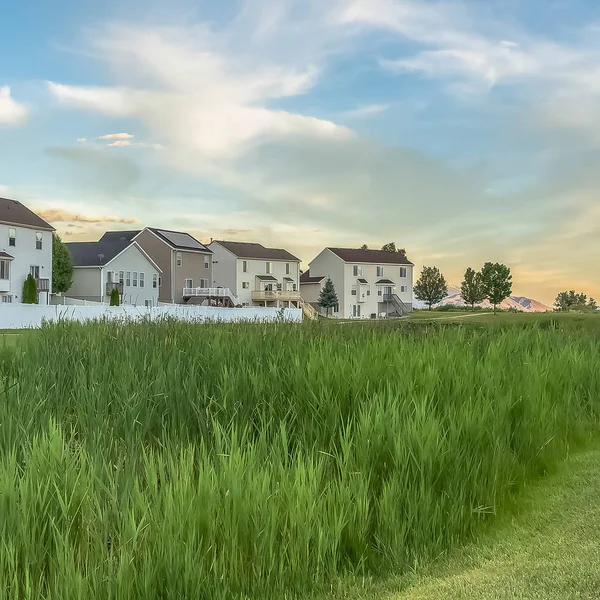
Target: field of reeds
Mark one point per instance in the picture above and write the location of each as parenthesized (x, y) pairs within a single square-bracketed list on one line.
[(270, 461)]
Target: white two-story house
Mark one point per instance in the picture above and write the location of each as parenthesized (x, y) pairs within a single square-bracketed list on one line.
[(256, 275), (368, 283), (25, 248)]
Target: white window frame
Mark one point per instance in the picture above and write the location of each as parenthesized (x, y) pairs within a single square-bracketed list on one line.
[(128, 279), (122, 277), (403, 288), (244, 266), (188, 283), (269, 268), (245, 285), (357, 270), (206, 262), (178, 259), (154, 281), (33, 269), (142, 279), (5, 270), (39, 240), (148, 303), (403, 272), (7, 298), (12, 239), (134, 281), (379, 271), (287, 268), (353, 291), (204, 283)]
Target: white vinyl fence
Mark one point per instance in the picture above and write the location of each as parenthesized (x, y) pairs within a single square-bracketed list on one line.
[(22, 316)]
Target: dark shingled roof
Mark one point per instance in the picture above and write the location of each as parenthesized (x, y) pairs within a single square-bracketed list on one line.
[(112, 236), (385, 282), (180, 240), (361, 280), (15, 213), (358, 255), (6, 255), (306, 277), (257, 251), (267, 278), (87, 254)]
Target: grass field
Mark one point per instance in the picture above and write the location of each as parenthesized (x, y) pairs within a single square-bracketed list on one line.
[(171, 461)]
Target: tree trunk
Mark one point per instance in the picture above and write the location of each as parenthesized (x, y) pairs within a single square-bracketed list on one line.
[(429, 305)]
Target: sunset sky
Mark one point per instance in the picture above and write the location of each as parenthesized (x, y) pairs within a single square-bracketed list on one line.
[(465, 131)]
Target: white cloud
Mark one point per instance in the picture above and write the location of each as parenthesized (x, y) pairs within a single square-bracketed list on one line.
[(129, 144), (82, 140), (116, 136), (11, 112), (366, 111)]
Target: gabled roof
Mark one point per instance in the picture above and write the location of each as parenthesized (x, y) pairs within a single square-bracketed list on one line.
[(385, 282), (256, 251), (15, 213), (6, 256), (306, 277), (358, 255), (266, 277), (99, 254), (179, 240)]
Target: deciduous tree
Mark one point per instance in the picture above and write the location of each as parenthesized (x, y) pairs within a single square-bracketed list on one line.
[(391, 247), (431, 287), (62, 266), (496, 281), (471, 289)]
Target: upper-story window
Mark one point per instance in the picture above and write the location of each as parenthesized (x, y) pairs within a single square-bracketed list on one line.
[(269, 268), (142, 279), (287, 268), (155, 280), (121, 277), (206, 262), (402, 271), (38, 240), (357, 270), (245, 266), (135, 279), (4, 269), (178, 259), (353, 292), (379, 271), (12, 236)]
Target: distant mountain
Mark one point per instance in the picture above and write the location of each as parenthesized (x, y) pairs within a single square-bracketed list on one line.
[(516, 302)]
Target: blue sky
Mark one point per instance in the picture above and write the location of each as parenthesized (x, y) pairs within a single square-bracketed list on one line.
[(465, 131)]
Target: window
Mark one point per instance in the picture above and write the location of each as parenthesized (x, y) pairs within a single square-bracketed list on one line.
[(368, 291), (128, 278), (245, 285), (4, 269), (7, 299), (268, 268), (38, 240), (354, 290), (287, 268), (379, 271), (34, 272), (402, 271), (336, 308), (147, 303), (379, 292), (357, 270), (402, 288), (294, 288), (204, 283), (206, 262), (135, 278), (159, 281), (188, 283), (155, 280), (142, 279), (245, 266), (178, 259), (121, 277), (12, 236)]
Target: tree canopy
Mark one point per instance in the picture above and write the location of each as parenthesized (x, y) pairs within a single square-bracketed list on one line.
[(496, 281), (328, 297), (30, 293), (572, 300), (391, 247), (471, 289), (431, 287), (62, 266)]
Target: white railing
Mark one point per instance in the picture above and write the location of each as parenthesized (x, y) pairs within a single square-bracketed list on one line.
[(202, 292)]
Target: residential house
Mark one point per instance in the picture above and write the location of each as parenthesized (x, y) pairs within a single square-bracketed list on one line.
[(121, 264), (368, 283), (25, 248), (186, 263), (256, 275)]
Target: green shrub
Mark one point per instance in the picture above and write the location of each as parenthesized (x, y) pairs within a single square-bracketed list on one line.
[(114, 297), (30, 293)]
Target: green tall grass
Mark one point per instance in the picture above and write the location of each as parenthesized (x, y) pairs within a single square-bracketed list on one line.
[(218, 461)]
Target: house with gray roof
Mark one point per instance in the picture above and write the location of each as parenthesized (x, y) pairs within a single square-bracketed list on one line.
[(256, 275), (25, 248), (114, 262), (185, 263), (368, 283)]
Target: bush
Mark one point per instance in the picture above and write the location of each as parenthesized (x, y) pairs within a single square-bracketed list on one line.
[(30, 293), (114, 297)]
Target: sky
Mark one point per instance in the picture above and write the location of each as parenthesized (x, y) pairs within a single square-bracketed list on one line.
[(465, 131)]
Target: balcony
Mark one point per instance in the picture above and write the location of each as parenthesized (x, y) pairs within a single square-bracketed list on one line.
[(110, 286), (274, 295), (43, 285)]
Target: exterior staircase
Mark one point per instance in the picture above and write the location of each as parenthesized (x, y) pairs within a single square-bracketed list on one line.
[(399, 307), (308, 311)]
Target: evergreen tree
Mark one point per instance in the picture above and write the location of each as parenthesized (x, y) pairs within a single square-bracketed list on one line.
[(62, 266), (30, 295), (496, 282), (471, 289), (328, 297), (431, 287), (114, 297)]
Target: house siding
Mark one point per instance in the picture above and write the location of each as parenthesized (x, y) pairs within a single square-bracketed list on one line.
[(192, 267), (224, 268), (86, 284), (162, 255), (26, 255), (329, 265)]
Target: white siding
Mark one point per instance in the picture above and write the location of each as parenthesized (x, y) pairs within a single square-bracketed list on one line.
[(259, 267), (26, 255), (86, 284), (223, 267), (329, 265)]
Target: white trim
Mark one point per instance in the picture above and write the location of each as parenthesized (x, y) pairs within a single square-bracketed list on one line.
[(207, 251), (49, 227)]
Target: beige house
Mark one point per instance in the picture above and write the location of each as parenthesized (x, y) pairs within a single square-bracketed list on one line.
[(368, 283), (186, 263), (255, 275)]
